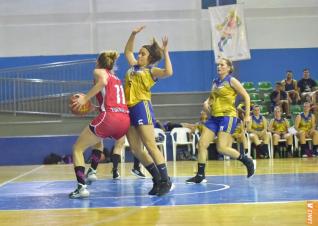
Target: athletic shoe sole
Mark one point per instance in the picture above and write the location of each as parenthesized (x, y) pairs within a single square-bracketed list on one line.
[(137, 175), (80, 196), (203, 181)]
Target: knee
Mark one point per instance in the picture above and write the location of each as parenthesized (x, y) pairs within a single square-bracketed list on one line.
[(133, 151), (252, 137), (120, 143), (203, 145), (151, 146), (221, 147), (77, 149)]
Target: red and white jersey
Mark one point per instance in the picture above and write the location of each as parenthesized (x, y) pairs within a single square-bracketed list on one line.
[(112, 97)]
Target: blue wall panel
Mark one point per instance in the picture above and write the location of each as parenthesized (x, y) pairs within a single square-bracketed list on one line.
[(33, 150), (194, 70), (271, 65)]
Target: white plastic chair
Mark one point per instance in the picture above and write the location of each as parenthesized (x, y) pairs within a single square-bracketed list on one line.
[(181, 136), (309, 140), (126, 145), (248, 144), (162, 143), (279, 141), (269, 145)]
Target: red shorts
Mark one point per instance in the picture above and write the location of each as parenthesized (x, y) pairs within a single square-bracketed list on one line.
[(110, 124)]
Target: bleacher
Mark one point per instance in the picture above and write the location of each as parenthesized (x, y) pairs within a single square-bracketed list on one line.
[(260, 95)]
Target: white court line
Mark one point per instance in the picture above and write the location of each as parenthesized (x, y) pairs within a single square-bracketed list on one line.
[(22, 175)]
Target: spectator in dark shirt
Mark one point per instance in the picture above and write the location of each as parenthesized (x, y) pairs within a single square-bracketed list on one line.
[(290, 86), (280, 98), (306, 87)]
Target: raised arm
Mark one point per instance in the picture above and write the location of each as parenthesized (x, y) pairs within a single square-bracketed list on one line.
[(129, 48), (167, 70)]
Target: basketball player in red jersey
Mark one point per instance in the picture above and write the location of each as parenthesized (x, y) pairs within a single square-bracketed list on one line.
[(112, 120)]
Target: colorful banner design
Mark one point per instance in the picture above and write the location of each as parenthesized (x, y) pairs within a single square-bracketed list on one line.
[(229, 32)]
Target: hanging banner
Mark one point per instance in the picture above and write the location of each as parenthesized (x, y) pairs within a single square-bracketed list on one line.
[(229, 32)]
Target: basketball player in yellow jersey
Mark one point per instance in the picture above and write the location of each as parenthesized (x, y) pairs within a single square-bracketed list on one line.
[(138, 81), (305, 124), (223, 119), (258, 131), (278, 126)]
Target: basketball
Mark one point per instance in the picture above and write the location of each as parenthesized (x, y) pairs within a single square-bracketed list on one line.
[(83, 110)]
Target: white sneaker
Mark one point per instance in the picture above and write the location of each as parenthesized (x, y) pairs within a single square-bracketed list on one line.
[(80, 192), (90, 176)]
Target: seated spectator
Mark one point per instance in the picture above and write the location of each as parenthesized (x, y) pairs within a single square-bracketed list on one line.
[(278, 126), (280, 98), (241, 109), (258, 131), (306, 87), (305, 124), (290, 87), (239, 134)]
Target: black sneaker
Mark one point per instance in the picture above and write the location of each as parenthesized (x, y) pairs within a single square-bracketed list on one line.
[(138, 173), (116, 175), (80, 192), (249, 165), (197, 179), (154, 189), (165, 187)]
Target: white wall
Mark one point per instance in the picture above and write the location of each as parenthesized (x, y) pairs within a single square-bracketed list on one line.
[(57, 27), (281, 23)]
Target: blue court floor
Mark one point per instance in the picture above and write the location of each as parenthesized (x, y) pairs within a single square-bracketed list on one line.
[(133, 192)]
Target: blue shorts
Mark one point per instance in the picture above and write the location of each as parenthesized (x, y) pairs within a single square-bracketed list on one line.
[(142, 114), (225, 124)]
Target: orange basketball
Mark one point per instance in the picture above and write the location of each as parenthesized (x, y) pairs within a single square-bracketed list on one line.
[(83, 110)]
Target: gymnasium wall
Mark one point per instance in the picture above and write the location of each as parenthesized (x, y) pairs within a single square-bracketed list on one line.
[(282, 35)]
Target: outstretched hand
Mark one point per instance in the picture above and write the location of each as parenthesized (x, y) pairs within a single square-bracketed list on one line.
[(164, 43), (138, 29)]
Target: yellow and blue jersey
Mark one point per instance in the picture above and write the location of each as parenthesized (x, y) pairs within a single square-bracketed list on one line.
[(305, 122), (222, 98), (238, 130), (138, 82), (280, 125), (258, 124)]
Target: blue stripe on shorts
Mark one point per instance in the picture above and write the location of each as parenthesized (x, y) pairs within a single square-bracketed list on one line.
[(142, 114), (221, 124)]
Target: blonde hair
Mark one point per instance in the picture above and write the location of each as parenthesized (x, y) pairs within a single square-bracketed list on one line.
[(107, 59), (228, 63)]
